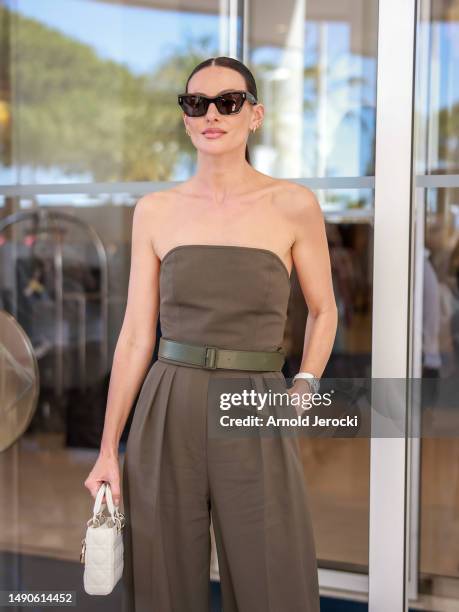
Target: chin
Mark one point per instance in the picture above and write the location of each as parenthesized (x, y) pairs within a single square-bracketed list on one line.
[(214, 148)]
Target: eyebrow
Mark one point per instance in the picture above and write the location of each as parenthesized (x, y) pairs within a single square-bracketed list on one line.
[(200, 93)]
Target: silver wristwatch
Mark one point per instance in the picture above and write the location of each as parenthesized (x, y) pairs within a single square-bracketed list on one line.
[(313, 381)]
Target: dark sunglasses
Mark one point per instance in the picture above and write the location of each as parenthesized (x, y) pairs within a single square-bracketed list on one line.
[(196, 105)]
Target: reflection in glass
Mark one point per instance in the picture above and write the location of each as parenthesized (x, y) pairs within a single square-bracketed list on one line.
[(63, 276), (97, 104), (315, 66), (436, 128), (437, 97), (107, 110), (439, 528), (337, 470)]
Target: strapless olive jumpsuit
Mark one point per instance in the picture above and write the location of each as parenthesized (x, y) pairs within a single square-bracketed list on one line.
[(175, 474)]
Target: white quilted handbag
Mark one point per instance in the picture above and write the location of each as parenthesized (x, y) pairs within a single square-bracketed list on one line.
[(102, 548)]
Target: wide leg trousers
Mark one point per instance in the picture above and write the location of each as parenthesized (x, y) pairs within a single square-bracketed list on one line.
[(177, 476)]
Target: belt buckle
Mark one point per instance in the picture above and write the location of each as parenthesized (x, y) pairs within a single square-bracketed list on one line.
[(210, 357)]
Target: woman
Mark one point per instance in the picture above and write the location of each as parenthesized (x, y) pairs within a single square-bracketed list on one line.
[(216, 252)]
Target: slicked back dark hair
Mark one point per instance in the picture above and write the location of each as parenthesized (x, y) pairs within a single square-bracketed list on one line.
[(234, 64)]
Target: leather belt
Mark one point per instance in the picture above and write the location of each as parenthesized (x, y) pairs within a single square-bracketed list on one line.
[(212, 357)]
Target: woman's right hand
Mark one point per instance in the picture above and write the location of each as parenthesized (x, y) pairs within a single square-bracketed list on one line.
[(106, 469)]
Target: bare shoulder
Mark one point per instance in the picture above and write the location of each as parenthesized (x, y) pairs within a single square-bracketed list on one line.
[(299, 204), (150, 212), (297, 197), (143, 213), (154, 201)]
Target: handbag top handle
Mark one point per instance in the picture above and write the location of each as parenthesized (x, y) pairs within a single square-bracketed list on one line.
[(104, 488)]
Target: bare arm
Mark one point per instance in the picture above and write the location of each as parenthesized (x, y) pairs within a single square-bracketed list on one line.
[(312, 263), (137, 338)]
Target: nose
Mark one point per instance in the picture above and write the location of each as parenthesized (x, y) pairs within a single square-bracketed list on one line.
[(212, 110)]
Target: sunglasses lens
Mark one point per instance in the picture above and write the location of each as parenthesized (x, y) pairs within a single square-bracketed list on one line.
[(193, 106), (196, 106), (230, 103)]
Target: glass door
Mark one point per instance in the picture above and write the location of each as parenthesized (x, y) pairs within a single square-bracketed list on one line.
[(435, 317), (88, 124), (316, 67), (84, 138)]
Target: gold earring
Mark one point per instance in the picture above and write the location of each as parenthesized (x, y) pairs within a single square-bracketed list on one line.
[(186, 130)]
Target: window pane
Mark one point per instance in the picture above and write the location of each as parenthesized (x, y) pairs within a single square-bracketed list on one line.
[(437, 291), (90, 89), (315, 65)]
